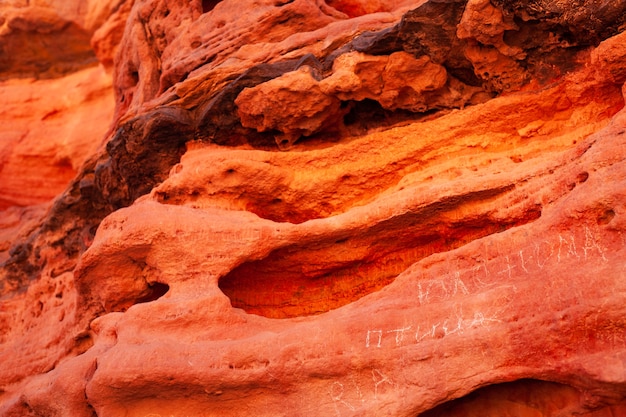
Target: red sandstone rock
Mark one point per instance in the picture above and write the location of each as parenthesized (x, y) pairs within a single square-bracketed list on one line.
[(44, 38), (444, 235), (107, 37), (49, 128), (293, 104)]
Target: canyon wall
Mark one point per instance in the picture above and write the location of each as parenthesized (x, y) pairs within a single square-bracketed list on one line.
[(313, 208)]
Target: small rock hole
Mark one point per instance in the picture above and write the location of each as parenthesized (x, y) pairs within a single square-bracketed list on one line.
[(208, 5), (582, 177), (606, 217), (134, 76), (82, 343), (156, 291)]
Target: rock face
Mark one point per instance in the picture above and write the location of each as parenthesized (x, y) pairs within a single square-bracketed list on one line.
[(314, 208)]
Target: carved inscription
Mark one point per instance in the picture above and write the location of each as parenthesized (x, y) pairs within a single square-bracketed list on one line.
[(580, 246), (489, 271), (370, 385), (412, 334)]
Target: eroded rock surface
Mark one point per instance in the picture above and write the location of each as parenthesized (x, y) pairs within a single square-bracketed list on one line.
[(318, 208)]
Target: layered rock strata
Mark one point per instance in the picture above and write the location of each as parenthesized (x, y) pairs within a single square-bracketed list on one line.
[(324, 208)]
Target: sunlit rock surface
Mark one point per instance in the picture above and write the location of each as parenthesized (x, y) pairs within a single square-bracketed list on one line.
[(341, 208)]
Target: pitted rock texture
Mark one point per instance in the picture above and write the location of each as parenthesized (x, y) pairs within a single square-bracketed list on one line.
[(338, 208)]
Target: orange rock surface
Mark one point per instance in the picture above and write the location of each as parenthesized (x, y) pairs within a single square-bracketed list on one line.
[(340, 208)]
